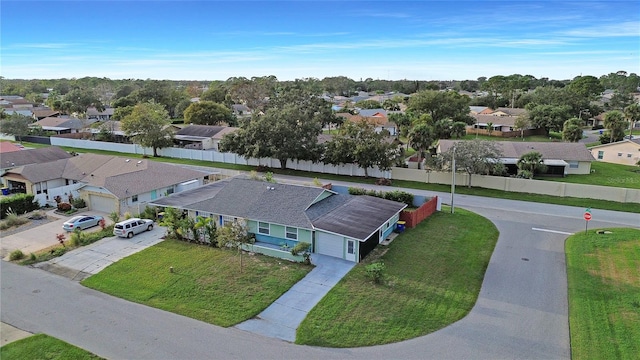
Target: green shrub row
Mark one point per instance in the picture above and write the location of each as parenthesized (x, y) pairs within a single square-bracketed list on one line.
[(395, 195), (18, 204)]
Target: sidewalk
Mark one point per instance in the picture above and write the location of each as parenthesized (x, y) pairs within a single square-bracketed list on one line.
[(281, 319)]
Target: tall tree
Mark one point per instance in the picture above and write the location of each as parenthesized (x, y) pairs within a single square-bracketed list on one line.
[(521, 123), (458, 129), (441, 105), (588, 87), (473, 157), (208, 113), (614, 121), (282, 133), (421, 137), (148, 125), (549, 117), (531, 163), (572, 130), (359, 143), (16, 125)]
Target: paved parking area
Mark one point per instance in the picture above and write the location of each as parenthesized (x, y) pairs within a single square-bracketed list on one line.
[(41, 237), (91, 259)]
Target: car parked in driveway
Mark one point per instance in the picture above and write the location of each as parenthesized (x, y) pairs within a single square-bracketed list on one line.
[(131, 227), (82, 222)]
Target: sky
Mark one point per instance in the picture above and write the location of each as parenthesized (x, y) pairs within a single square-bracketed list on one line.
[(389, 40)]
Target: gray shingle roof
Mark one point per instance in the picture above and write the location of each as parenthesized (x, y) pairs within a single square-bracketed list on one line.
[(549, 150), (359, 217), (205, 131), (33, 156)]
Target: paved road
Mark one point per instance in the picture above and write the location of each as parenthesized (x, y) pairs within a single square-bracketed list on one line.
[(521, 311)]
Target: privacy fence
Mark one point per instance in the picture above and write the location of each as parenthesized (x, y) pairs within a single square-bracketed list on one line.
[(553, 188)]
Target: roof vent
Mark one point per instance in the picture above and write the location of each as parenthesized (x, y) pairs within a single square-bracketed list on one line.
[(127, 160), (140, 162)]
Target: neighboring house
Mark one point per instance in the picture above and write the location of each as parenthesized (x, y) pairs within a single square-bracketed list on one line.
[(561, 158), (201, 137), (7, 147), (240, 110), (482, 110), (376, 117), (343, 226), (95, 114), (106, 183), (504, 111), (42, 113), (63, 125), (113, 128), (626, 152), (15, 159)]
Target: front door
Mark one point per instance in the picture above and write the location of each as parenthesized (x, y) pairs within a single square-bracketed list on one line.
[(154, 195), (351, 250)]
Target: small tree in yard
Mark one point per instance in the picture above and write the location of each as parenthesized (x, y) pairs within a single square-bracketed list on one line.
[(234, 235), (206, 230), (473, 157), (375, 271)]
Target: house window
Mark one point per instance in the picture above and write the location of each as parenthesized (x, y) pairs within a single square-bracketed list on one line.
[(574, 164), (628, 155), (600, 155), (134, 198), (291, 233), (263, 228), (227, 220), (169, 191), (619, 154)]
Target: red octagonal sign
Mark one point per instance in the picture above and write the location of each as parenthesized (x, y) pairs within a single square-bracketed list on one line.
[(587, 216)]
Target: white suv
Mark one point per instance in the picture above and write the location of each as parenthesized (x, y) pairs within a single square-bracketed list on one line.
[(131, 227)]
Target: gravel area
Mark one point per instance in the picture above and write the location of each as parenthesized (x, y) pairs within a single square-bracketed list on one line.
[(29, 225)]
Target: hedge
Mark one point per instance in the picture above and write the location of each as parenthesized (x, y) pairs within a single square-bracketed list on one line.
[(395, 195), (18, 203)]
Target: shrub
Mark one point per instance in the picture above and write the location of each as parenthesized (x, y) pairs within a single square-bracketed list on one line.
[(16, 255), (32, 257), (79, 203), (11, 221), (375, 271), (395, 195), (127, 215), (77, 238), (115, 217), (149, 212), (262, 168), (383, 181), (18, 204), (58, 251), (300, 247), (64, 206)]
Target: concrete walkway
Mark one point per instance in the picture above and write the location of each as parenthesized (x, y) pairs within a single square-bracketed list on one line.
[(281, 319)]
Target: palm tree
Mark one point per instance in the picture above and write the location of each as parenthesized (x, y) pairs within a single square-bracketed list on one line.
[(530, 163), (421, 137), (632, 113), (571, 130), (490, 127), (614, 122)]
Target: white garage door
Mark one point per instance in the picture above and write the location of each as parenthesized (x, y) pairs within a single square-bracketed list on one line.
[(329, 244), (102, 203)]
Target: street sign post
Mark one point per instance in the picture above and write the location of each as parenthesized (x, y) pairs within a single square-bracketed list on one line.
[(587, 218)]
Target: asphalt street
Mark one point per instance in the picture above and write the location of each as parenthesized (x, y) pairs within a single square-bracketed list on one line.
[(521, 311)]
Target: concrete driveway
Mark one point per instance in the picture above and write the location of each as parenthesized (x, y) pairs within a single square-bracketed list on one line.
[(281, 319), (41, 237), (91, 259)]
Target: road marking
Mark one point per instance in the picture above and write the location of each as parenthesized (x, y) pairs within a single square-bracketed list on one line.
[(553, 231)]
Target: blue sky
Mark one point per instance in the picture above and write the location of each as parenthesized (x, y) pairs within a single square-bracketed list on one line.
[(417, 40)]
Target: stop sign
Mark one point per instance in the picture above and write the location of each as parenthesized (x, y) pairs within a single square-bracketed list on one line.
[(587, 216)]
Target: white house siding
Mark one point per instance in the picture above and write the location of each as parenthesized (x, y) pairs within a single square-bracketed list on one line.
[(103, 203), (584, 167)]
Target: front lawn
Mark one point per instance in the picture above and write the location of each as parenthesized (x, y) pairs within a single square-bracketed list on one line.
[(433, 276), (603, 272), (206, 283), (42, 346), (605, 174)]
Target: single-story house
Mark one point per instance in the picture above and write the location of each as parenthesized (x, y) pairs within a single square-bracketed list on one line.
[(32, 156), (201, 137), (63, 125), (106, 183), (42, 113), (501, 126), (376, 118), (8, 146), (339, 225), (626, 152), (561, 158), (104, 115)]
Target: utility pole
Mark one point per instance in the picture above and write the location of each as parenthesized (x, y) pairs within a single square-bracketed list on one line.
[(453, 175)]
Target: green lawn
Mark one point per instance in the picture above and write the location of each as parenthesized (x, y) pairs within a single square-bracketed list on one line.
[(433, 276), (535, 138), (42, 346), (603, 272), (206, 283), (606, 174)]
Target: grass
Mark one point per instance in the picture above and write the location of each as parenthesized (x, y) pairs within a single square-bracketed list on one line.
[(433, 276), (532, 138), (603, 272), (42, 346), (606, 174), (579, 202), (206, 283)]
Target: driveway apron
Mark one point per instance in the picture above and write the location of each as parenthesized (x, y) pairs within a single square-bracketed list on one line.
[(281, 319)]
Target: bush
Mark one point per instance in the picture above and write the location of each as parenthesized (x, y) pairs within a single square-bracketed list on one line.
[(375, 271), (16, 255), (148, 213), (11, 221), (64, 206), (18, 204), (383, 181), (79, 203), (300, 247), (395, 195)]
